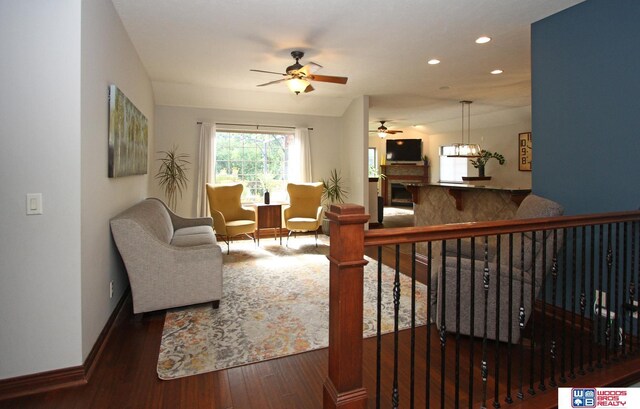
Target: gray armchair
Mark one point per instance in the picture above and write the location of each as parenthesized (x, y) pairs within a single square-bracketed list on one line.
[(444, 283)]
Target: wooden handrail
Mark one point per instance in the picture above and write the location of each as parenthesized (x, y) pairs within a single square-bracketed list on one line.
[(379, 237)]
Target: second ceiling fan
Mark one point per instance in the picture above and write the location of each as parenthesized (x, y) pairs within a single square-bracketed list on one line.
[(298, 76), (383, 131)]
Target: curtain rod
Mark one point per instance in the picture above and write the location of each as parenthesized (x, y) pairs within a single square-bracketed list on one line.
[(256, 126)]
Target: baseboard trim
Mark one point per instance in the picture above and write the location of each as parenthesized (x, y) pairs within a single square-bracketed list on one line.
[(65, 377)]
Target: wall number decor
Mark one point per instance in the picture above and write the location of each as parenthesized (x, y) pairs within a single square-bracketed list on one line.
[(524, 151)]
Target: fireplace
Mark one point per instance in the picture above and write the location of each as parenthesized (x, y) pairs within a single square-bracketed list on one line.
[(397, 177), (400, 196)]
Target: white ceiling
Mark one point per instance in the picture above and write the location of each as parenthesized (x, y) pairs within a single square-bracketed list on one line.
[(199, 52)]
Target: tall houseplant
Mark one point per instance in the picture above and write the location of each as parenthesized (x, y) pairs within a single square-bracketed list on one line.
[(485, 156), (172, 175), (334, 192)]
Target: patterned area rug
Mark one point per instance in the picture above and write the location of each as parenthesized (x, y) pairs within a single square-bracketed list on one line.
[(275, 303)]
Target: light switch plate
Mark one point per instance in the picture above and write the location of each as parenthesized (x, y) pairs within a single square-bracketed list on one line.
[(34, 203)]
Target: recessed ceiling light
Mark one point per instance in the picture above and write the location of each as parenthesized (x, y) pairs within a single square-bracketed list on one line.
[(483, 40), (496, 72), (433, 61), (444, 88)]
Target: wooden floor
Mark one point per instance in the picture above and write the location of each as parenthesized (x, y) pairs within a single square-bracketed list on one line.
[(125, 376)]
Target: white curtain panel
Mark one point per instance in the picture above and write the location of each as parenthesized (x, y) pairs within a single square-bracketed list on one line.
[(206, 167), (301, 157)]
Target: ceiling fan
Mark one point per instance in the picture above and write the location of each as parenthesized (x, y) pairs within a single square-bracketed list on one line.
[(298, 76), (383, 131)]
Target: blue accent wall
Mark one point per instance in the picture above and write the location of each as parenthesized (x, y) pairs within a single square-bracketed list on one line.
[(586, 106)]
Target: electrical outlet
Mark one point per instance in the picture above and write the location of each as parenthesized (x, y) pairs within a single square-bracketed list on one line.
[(110, 289)]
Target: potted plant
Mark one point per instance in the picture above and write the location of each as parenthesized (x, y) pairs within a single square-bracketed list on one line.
[(172, 175), (480, 162), (334, 192), (425, 160)]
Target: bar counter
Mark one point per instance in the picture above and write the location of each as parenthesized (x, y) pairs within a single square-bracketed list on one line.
[(441, 203)]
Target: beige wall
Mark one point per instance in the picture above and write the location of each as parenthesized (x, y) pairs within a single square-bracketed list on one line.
[(108, 57), (177, 126)]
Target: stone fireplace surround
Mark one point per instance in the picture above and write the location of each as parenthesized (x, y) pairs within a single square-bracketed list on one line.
[(409, 173)]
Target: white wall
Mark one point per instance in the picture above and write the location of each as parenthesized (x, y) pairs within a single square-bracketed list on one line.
[(40, 128), (108, 57), (354, 161), (177, 126)]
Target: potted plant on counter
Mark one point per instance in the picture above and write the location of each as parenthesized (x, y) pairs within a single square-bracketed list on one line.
[(480, 162), (334, 192)]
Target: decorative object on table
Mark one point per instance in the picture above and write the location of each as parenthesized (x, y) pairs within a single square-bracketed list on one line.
[(480, 162), (463, 150), (128, 136), (275, 303), (524, 151), (172, 175), (425, 160), (267, 199), (333, 192)]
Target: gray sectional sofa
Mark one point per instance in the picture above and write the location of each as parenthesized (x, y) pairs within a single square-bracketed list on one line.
[(171, 261)]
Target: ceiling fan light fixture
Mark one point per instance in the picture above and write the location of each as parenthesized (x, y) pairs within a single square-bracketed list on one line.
[(297, 85), (382, 134)]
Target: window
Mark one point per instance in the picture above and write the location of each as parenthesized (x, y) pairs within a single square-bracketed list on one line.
[(452, 169), (259, 160), (373, 163)]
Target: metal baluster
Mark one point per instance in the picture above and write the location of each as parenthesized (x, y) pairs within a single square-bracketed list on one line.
[(583, 297), (616, 295), (574, 274), (395, 395), (563, 338), (484, 368), (543, 297), (472, 319), (592, 287), (413, 325), (496, 403), (632, 285), (508, 398), (379, 328), (429, 315), (532, 358), (601, 259), (607, 332), (623, 325), (457, 365), (443, 328), (554, 287), (521, 319)]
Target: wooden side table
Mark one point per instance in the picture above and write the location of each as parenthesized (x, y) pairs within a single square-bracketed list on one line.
[(269, 217)]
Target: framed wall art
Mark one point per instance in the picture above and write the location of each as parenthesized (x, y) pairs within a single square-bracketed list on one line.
[(524, 151), (128, 136)]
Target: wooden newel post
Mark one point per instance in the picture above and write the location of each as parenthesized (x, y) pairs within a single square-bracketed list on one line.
[(343, 387)]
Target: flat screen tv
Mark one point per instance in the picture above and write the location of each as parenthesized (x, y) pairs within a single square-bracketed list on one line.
[(404, 150)]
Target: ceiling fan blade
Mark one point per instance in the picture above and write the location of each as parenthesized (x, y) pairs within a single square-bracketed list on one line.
[(328, 78), (308, 89), (268, 72), (272, 82), (392, 132)]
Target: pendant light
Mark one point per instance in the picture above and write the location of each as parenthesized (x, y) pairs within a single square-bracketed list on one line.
[(464, 150)]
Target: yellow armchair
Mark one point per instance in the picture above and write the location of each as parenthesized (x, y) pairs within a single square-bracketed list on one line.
[(230, 219), (305, 210)]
